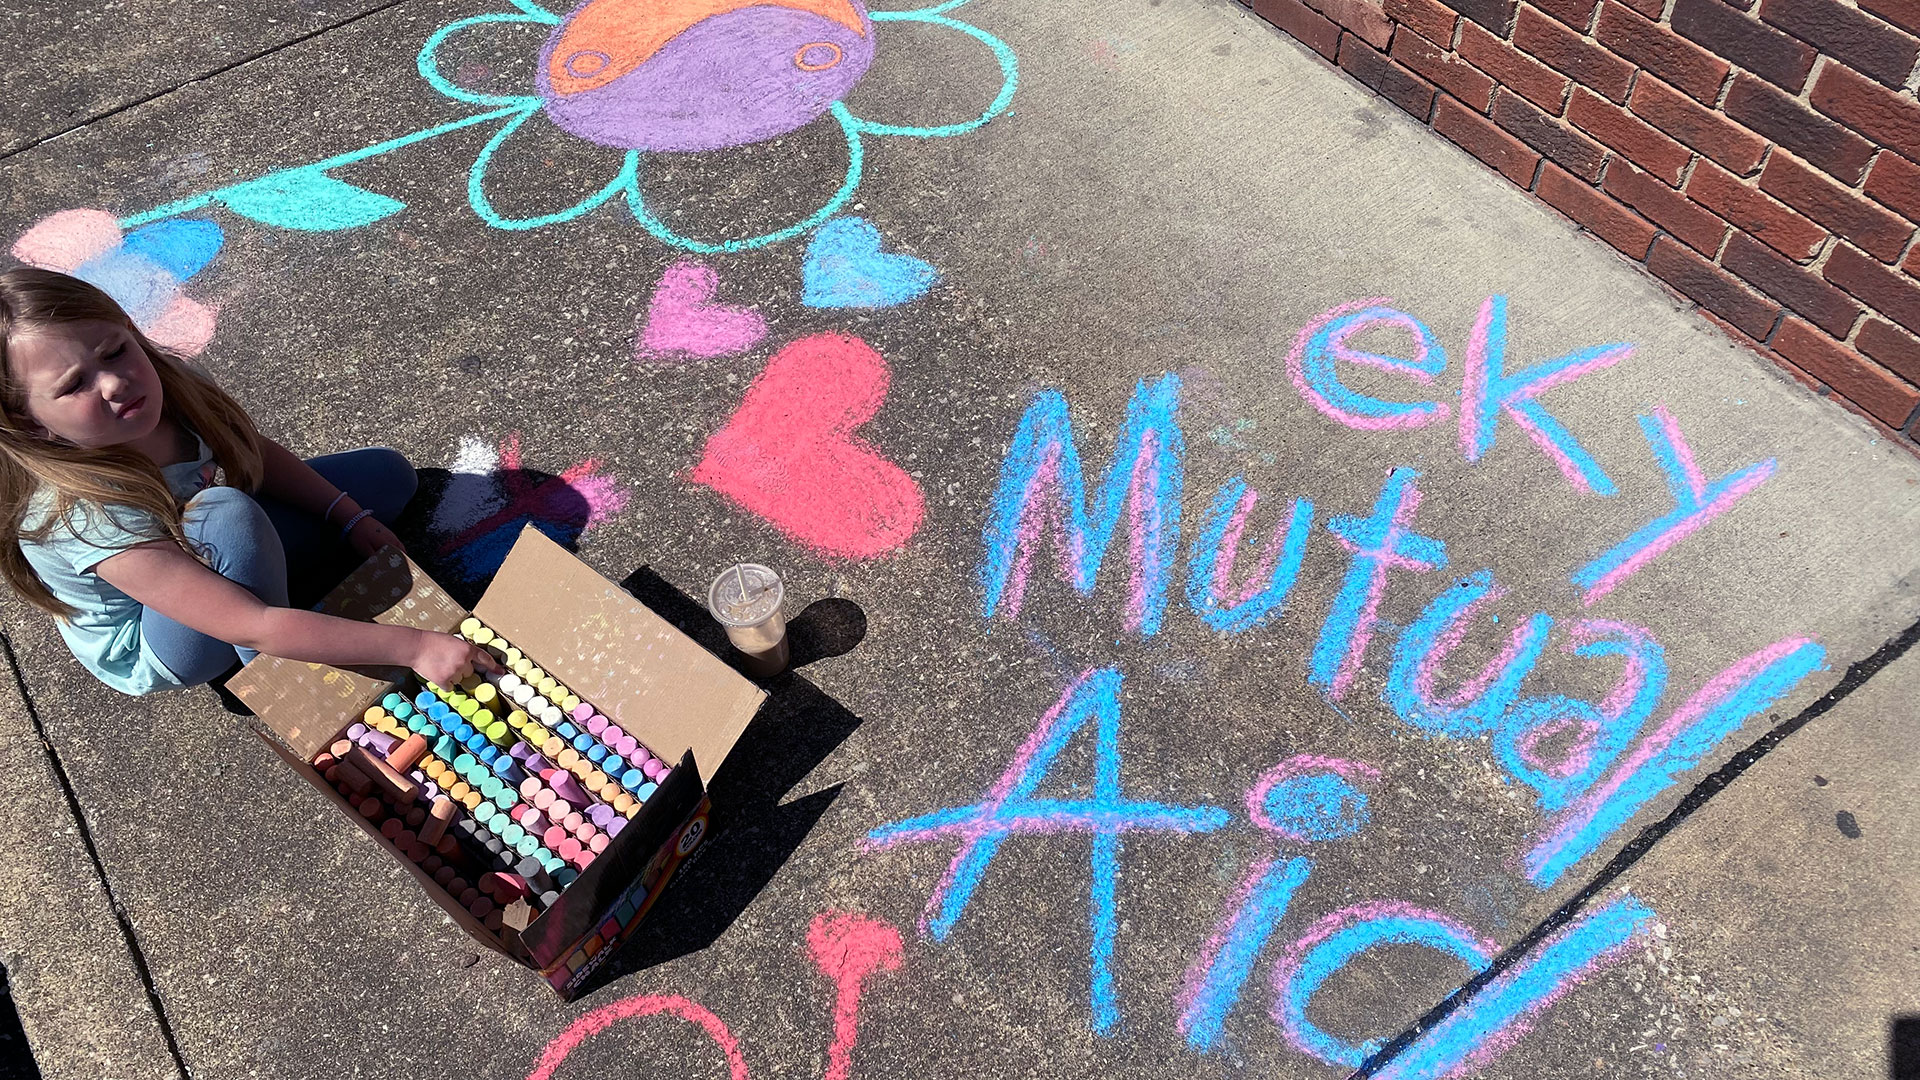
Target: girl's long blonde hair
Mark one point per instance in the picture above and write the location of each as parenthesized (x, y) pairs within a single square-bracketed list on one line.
[(107, 479)]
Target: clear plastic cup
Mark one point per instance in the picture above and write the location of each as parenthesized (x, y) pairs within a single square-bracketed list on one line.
[(746, 598)]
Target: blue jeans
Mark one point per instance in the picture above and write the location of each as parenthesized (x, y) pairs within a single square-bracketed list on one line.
[(256, 543)]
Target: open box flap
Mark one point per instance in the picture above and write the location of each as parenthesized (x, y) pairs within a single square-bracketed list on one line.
[(308, 704), (654, 681)]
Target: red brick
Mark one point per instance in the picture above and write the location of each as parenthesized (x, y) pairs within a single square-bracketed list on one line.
[(1889, 292), (1455, 76), (1901, 13), (1877, 232), (1696, 125), (1750, 211), (1696, 227), (1306, 25), (1895, 182), (1872, 110), (1567, 52), (1388, 79), (1778, 117), (1495, 15), (1801, 290), (1477, 136), (1712, 289), (1851, 375), (1895, 350), (1603, 217), (1575, 13), (1694, 70), (1365, 19), (1766, 52), (1510, 68), (1848, 35), (1569, 149), (1650, 8), (1428, 18), (1616, 127)]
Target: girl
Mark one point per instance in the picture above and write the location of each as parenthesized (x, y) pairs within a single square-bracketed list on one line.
[(112, 522)]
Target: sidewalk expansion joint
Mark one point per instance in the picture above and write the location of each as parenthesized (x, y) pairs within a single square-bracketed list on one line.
[(99, 868), (202, 77), (1856, 676)]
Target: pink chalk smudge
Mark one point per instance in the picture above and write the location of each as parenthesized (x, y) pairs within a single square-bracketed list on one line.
[(684, 322), (848, 948), (637, 1006)]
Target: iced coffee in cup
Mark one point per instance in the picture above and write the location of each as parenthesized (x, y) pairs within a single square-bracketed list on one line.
[(746, 599)]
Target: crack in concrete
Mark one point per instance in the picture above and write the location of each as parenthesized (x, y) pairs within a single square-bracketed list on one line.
[(1856, 676), (202, 77), (120, 916)]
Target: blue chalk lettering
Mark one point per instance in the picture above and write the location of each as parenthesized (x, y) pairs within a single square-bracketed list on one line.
[(1423, 646), (1379, 543), (1214, 554)]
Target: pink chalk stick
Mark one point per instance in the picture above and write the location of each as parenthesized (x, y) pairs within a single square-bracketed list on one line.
[(582, 712)]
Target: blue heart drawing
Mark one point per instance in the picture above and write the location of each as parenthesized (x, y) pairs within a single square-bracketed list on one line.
[(845, 268)]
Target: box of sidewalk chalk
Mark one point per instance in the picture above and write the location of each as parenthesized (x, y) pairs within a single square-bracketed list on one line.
[(545, 808)]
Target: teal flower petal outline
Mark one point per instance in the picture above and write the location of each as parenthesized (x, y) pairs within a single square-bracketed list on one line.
[(627, 180)]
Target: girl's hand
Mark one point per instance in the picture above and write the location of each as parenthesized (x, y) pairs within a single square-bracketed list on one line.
[(444, 660), (370, 536)]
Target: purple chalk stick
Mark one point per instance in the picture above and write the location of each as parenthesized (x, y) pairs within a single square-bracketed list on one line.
[(356, 731), (520, 752), (565, 786), (614, 826), (537, 764), (379, 742), (601, 814)]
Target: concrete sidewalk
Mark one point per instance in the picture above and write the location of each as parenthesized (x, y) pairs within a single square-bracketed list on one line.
[(1173, 189)]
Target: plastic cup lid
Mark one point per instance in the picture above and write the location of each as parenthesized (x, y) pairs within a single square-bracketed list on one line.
[(745, 595)]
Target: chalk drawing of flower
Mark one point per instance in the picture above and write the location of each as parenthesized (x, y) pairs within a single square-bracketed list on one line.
[(638, 78), (142, 270), (491, 495)]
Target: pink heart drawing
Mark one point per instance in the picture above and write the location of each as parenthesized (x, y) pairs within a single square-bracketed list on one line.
[(789, 453), (683, 322)]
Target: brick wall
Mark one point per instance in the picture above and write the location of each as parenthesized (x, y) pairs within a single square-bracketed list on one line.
[(1758, 156)]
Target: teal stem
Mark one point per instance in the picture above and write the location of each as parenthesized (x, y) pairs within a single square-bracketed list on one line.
[(183, 206)]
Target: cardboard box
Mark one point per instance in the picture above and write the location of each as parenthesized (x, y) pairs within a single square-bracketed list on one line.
[(678, 699)]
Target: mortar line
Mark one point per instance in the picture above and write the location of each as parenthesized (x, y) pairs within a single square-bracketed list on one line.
[(1856, 676), (202, 77), (99, 868)]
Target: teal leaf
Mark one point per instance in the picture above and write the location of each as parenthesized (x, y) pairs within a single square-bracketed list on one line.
[(307, 199)]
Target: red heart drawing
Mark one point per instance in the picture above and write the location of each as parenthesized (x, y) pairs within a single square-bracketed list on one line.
[(789, 453)]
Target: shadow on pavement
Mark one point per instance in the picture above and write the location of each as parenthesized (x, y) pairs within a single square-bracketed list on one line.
[(485, 514), (1903, 1048), (754, 833), (16, 1057)]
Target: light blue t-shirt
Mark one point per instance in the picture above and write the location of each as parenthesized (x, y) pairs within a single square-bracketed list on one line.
[(104, 630)]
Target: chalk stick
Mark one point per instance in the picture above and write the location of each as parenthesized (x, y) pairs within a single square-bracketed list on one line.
[(370, 807), (646, 791), (402, 709), (482, 636), (544, 799), (584, 832), (511, 832), (444, 875), (549, 898), (608, 791), (624, 804), (418, 852), (408, 754), (553, 745), (614, 826), (509, 771), (325, 761), (534, 822), (438, 818), (569, 757), (598, 843), (468, 897), (521, 695), (468, 625), (391, 827), (356, 731), (470, 799), (401, 790), (537, 764), (406, 838), (570, 703), (414, 817), (627, 745), (499, 733), (352, 777), (568, 848), (632, 779), (488, 754), (439, 713), (535, 705)]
